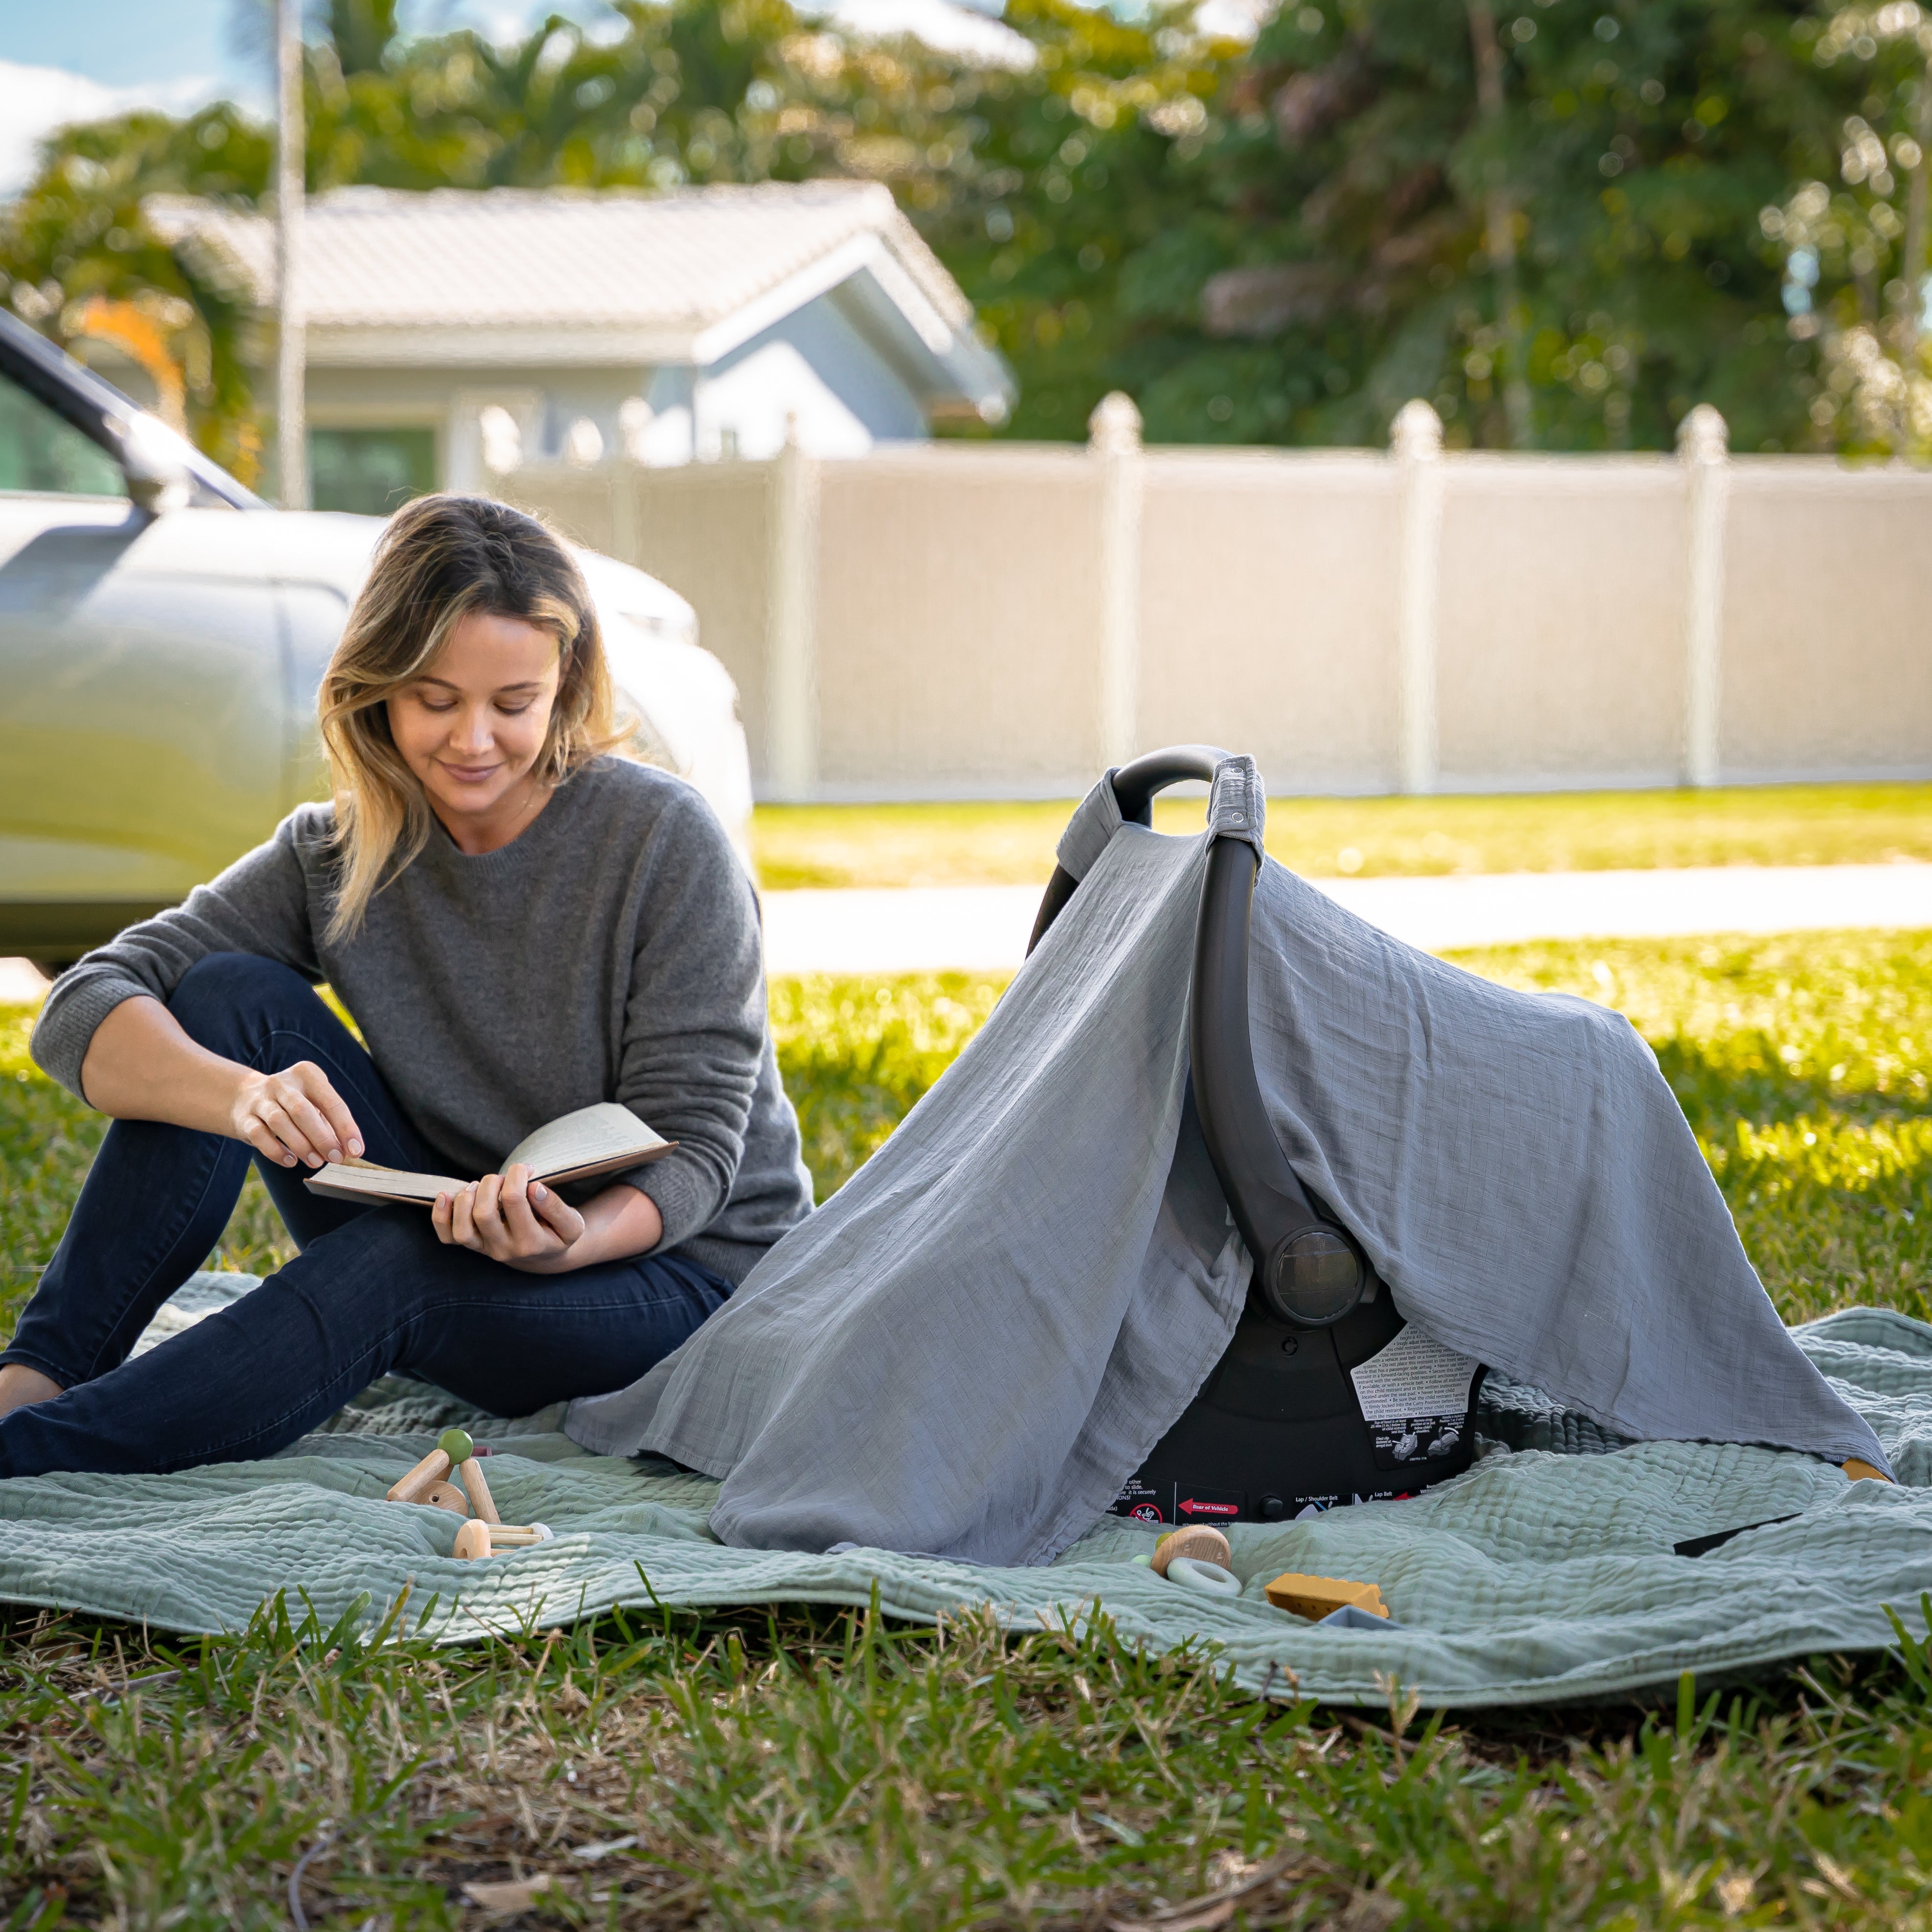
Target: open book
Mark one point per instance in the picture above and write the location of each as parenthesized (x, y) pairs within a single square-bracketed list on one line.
[(602, 1139)]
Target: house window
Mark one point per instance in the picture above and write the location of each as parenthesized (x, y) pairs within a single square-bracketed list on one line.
[(372, 470)]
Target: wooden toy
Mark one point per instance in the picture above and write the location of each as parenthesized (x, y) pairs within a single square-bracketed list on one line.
[(477, 1539), (1315, 1596), (1860, 1471), (428, 1482), (1198, 1539), (1196, 1572), (433, 1469), (481, 1504)]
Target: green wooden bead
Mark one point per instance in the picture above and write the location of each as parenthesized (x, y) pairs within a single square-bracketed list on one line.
[(455, 1444)]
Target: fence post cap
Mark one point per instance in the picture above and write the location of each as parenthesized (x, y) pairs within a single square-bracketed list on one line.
[(1703, 436), (1416, 433), (1114, 427)]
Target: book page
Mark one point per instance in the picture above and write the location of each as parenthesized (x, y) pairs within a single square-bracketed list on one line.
[(364, 1180), (594, 1139)]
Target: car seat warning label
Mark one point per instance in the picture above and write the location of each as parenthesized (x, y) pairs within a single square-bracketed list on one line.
[(1196, 1504), (1414, 1396), (1178, 1502), (1143, 1503)]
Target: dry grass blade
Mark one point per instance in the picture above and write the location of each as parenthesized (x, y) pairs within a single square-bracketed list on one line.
[(1213, 1909), (517, 1895)]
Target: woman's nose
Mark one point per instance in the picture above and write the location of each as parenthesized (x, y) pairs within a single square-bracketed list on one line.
[(472, 730)]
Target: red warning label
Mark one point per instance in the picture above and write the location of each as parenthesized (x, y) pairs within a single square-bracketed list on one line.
[(1142, 1502), (1221, 1505)]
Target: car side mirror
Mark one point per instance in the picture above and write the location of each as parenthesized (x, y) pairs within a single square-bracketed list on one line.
[(156, 478)]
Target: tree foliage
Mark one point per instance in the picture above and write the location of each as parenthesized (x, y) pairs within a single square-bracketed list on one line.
[(1346, 256), (78, 243), (1563, 224), (1856, 251), (1035, 183)]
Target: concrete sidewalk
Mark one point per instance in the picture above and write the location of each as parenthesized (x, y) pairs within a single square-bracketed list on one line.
[(984, 928)]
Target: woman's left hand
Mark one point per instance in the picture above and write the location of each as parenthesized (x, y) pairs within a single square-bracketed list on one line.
[(511, 1219)]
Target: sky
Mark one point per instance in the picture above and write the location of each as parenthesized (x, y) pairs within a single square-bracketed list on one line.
[(79, 60), (72, 60)]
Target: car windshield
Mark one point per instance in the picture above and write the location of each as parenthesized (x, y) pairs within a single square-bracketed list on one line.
[(43, 452)]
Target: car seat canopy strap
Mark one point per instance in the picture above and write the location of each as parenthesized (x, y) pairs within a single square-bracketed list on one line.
[(1237, 802)]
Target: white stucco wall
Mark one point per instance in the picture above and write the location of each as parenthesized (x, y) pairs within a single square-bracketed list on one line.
[(956, 643)]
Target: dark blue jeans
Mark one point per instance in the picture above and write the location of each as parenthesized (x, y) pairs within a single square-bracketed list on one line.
[(373, 1289)]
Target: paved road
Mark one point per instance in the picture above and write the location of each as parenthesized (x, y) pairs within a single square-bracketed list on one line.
[(984, 928), (19, 984)]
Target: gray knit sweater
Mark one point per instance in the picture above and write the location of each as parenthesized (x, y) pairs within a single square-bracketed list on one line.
[(611, 951)]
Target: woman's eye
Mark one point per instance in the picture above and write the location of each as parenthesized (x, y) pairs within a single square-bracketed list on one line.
[(514, 710), (437, 704)]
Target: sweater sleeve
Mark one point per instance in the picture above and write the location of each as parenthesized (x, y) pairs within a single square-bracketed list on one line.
[(694, 1020), (259, 905)]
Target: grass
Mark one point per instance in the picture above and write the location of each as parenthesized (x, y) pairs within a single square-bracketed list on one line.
[(857, 1052), (1008, 844), (796, 1770), (811, 1769)]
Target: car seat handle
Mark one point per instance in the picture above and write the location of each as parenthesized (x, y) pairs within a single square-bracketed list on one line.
[(1135, 784), (1308, 1269)]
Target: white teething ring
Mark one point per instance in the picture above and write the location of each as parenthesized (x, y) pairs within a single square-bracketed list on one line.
[(1210, 1579)]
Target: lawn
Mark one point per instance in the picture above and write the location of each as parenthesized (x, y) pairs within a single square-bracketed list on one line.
[(999, 844), (821, 1770)]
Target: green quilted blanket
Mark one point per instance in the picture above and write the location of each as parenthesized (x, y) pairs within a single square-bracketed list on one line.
[(1547, 1573)]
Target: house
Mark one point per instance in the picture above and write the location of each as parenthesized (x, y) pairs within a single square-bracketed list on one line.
[(453, 332)]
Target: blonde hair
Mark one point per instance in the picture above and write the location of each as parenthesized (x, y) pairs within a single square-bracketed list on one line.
[(441, 559)]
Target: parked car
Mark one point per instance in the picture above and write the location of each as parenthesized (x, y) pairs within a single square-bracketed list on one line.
[(163, 633)]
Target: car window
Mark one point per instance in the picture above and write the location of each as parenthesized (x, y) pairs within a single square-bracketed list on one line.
[(40, 450)]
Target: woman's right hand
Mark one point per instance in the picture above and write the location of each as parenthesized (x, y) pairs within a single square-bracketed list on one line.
[(294, 1116), (140, 1065)]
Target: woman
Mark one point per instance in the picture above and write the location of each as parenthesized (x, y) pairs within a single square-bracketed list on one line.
[(522, 926)]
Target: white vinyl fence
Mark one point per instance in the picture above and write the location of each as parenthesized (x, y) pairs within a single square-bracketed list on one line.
[(1004, 620)]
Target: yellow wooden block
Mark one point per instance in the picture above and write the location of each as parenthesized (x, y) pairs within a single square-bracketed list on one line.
[(1315, 1596), (1862, 1471)]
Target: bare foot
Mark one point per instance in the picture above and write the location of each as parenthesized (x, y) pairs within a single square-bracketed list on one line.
[(20, 1387)]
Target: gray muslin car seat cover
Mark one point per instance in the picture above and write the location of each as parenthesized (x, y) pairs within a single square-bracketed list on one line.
[(968, 1349)]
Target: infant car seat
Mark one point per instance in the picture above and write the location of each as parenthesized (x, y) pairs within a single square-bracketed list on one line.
[(1325, 1395)]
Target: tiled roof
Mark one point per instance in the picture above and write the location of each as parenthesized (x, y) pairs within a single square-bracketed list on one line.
[(509, 258)]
